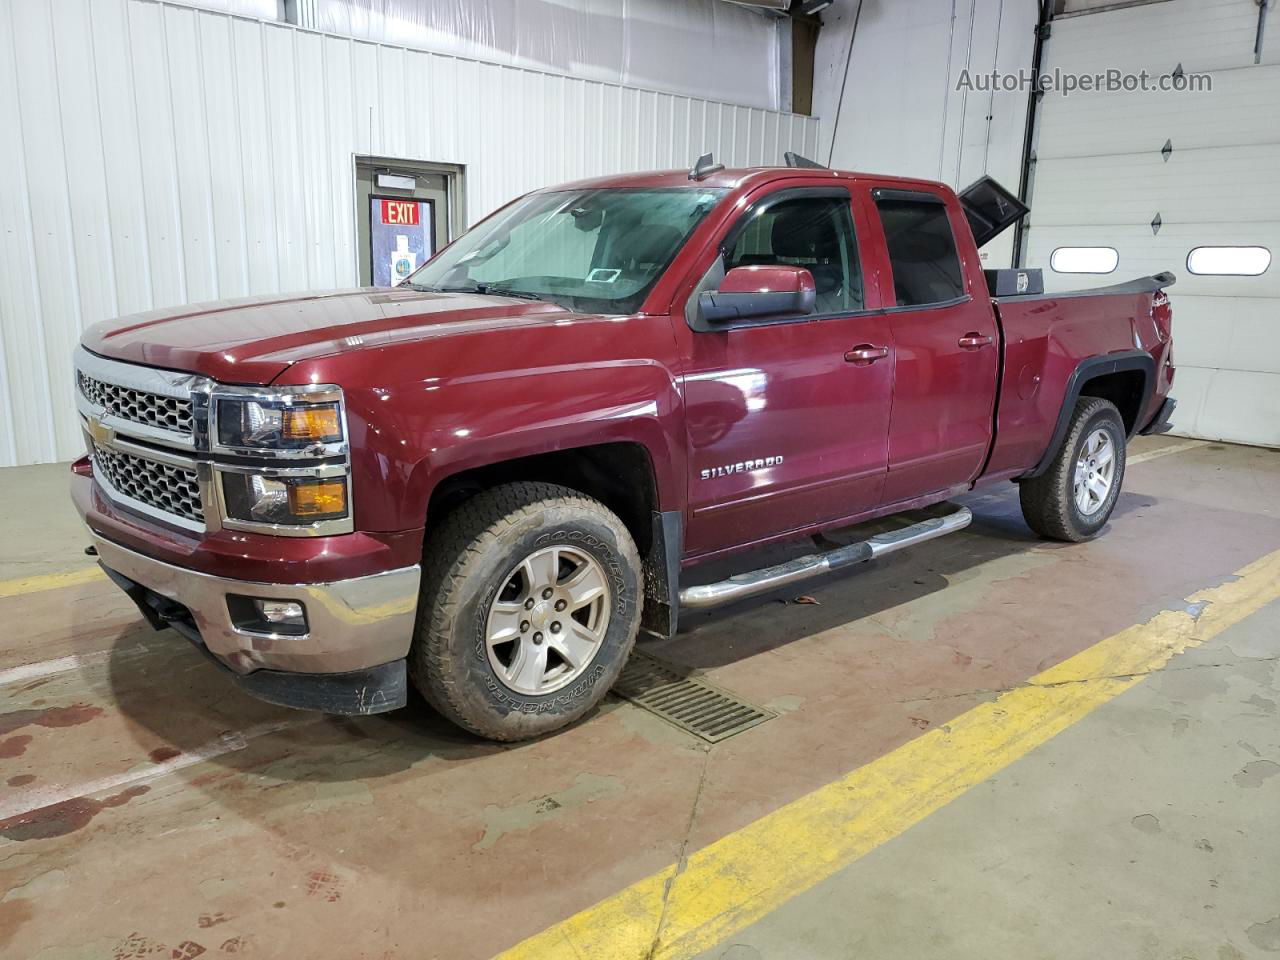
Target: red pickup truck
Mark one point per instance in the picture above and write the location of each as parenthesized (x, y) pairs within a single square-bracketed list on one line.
[(489, 479)]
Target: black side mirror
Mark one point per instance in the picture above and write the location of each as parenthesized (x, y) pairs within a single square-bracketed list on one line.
[(774, 290)]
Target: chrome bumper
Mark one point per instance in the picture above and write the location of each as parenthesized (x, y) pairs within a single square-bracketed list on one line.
[(352, 624)]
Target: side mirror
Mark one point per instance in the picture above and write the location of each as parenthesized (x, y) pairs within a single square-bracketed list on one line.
[(775, 290)]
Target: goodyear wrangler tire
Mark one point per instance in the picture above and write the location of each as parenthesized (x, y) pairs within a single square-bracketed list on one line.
[(1073, 499), (530, 605)]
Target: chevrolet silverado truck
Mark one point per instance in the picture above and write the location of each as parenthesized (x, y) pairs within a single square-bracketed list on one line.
[(488, 480)]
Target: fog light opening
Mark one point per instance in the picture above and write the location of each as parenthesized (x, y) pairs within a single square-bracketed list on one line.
[(282, 611), (268, 617)]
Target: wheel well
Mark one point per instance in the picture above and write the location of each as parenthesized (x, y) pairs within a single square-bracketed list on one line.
[(619, 475), (1124, 388)]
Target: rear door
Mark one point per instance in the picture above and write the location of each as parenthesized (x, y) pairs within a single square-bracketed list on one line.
[(784, 431), (945, 336)]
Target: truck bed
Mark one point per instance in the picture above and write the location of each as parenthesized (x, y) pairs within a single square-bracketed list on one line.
[(1043, 337)]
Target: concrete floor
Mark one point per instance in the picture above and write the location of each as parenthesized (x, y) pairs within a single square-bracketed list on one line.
[(148, 809)]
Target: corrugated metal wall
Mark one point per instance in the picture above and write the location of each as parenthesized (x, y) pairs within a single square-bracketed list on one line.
[(154, 154), (905, 109)]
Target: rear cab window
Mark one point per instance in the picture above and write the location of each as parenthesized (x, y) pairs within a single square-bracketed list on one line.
[(921, 248)]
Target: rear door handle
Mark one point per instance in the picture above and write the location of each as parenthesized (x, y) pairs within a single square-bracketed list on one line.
[(973, 341), (865, 353)]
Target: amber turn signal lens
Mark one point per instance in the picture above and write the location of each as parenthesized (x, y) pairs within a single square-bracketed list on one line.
[(312, 424), (328, 498)]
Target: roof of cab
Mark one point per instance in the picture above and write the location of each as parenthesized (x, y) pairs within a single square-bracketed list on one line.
[(731, 178)]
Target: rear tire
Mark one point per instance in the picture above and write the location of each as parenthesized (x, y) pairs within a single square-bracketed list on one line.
[(1073, 499), (530, 605)]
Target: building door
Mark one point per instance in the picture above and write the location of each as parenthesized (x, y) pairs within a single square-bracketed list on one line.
[(1128, 183), (405, 212)]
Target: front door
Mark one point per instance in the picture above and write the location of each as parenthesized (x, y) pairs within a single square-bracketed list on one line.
[(947, 350), (788, 419)]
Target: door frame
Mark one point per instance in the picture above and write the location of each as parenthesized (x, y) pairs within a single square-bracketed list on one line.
[(454, 207)]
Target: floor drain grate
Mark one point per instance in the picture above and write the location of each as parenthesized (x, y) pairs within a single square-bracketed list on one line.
[(691, 704)]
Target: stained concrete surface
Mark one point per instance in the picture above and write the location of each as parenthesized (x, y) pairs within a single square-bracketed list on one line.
[(1146, 830), (161, 812)]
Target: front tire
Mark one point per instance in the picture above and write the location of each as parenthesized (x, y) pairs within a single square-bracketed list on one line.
[(1074, 498), (530, 606)]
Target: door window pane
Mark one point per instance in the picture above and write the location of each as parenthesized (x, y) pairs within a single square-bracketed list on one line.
[(811, 232), (922, 252)]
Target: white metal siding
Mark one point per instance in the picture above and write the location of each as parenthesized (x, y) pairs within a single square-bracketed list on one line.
[(156, 154), (905, 110), (1100, 179)]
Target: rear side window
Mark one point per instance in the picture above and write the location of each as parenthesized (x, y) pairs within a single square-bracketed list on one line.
[(812, 232), (922, 251)]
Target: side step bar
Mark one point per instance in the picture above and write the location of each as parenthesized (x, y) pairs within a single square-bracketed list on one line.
[(770, 578)]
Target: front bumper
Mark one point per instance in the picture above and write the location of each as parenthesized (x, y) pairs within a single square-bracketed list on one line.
[(350, 661)]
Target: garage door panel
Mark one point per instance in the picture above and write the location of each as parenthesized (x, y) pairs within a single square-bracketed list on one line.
[(1100, 180), (1142, 254), (1119, 188), (1230, 332), (1235, 404), (1190, 385), (1199, 34), (1236, 110)]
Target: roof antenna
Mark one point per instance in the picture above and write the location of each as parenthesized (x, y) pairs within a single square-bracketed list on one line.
[(795, 160), (705, 166)]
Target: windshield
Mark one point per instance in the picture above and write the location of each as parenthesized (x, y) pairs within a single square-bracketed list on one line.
[(594, 251)]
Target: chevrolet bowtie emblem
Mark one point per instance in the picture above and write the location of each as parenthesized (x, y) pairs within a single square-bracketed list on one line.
[(100, 432)]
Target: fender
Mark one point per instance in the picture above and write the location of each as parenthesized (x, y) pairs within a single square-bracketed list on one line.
[(421, 411), (1085, 371)]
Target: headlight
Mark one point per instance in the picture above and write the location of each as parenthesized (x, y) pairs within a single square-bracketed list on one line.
[(280, 422), (282, 464), (264, 498)]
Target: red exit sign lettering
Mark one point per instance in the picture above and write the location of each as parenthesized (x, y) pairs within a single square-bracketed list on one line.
[(402, 213)]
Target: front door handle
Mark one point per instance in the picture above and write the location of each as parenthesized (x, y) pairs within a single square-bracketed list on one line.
[(973, 341), (865, 353)]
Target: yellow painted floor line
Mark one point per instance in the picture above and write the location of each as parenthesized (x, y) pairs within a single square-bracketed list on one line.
[(683, 910), (49, 581)]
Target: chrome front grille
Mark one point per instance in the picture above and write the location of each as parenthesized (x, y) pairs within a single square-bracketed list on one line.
[(137, 406), (169, 489), (147, 430)]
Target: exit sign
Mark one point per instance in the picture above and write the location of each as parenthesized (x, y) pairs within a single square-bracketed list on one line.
[(401, 213)]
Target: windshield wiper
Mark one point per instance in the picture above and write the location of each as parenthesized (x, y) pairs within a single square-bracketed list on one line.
[(488, 289), (497, 289), (482, 288)]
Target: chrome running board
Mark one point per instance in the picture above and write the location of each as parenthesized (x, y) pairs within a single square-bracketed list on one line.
[(770, 578)]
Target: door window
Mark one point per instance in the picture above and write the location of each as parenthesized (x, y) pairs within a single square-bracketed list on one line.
[(922, 251), (811, 232)]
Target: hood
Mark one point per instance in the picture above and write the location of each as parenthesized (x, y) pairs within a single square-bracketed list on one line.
[(254, 340)]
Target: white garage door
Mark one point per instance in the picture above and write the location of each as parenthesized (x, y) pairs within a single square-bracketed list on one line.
[(1104, 177)]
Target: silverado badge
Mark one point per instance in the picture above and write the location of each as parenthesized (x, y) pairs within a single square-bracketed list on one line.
[(744, 466)]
